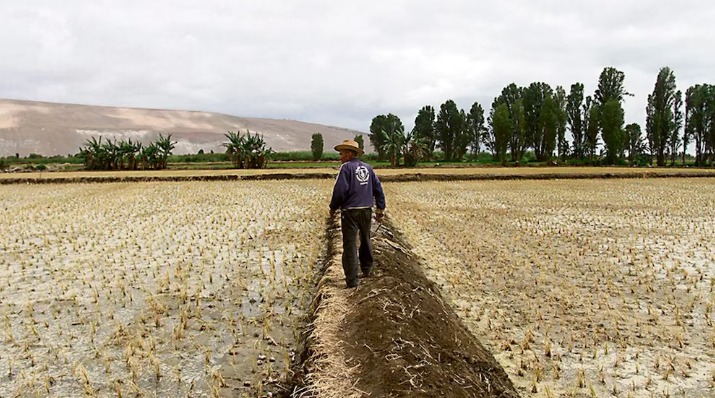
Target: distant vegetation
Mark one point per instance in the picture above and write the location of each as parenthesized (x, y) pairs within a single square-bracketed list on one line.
[(316, 146), (535, 125), (535, 120), (247, 151), (126, 155)]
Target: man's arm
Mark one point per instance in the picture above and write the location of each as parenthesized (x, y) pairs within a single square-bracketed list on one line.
[(339, 190), (377, 192), (379, 195)]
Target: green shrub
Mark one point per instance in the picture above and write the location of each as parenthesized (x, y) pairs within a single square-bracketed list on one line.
[(305, 156), (199, 158)]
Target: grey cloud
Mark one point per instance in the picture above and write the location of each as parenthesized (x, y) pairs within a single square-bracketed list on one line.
[(340, 63)]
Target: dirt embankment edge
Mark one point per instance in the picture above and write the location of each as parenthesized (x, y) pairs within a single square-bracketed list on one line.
[(58, 178), (392, 336)]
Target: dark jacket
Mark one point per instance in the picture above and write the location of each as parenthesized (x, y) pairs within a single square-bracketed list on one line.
[(356, 186)]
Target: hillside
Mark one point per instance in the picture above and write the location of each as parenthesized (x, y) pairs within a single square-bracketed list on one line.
[(61, 129)]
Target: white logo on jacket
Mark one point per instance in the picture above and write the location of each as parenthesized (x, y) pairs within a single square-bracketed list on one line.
[(362, 175)]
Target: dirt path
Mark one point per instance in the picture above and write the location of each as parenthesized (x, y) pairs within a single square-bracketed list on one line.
[(386, 175), (394, 335)]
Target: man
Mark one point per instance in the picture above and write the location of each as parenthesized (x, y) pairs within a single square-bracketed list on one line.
[(355, 188)]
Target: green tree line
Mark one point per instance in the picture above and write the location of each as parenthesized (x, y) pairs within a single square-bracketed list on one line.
[(536, 119)]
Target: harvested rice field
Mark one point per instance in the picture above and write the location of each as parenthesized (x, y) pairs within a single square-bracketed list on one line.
[(331, 167), (577, 287), (585, 288), (156, 289)]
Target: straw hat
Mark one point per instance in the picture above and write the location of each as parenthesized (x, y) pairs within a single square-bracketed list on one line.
[(350, 145)]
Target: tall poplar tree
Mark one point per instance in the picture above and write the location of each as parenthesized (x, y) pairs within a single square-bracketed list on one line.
[(424, 130), (634, 144), (360, 141), (674, 140), (475, 127), (591, 128), (611, 90), (575, 115), (316, 146), (450, 126), (501, 131), (700, 110), (661, 114), (547, 129), (612, 130), (611, 86), (562, 146), (534, 97), (511, 96)]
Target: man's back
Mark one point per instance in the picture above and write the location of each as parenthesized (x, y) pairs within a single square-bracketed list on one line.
[(355, 187)]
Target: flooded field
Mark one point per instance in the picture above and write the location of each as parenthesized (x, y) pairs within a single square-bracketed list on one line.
[(155, 289), (578, 287)]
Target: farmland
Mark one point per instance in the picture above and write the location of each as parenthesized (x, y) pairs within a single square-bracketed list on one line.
[(579, 288), (389, 173), (201, 288), (155, 289)]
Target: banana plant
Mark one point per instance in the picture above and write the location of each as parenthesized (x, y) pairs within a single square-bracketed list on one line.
[(164, 146), (392, 144), (414, 148), (247, 151), (120, 155), (234, 148)]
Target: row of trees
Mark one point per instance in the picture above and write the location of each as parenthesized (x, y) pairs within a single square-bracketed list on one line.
[(126, 154), (700, 122), (537, 118), (387, 135)]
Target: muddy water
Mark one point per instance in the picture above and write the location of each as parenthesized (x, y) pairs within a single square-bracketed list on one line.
[(160, 289)]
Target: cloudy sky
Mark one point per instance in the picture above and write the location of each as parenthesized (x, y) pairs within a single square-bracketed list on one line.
[(341, 62)]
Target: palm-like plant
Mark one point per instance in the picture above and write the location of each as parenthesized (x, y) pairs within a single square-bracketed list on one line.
[(415, 148), (111, 155), (256, 152), (149, 157), (392, 144), (234, 148), (120, 155), (164, 146), (131, 151), (247, 151), (91, 153)]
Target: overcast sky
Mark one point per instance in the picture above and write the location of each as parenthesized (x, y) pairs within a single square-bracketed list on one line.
[(341, 63)]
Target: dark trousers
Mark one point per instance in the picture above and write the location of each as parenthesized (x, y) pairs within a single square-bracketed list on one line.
[(354, 223)]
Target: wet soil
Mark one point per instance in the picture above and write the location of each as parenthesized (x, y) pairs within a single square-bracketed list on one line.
[(406, 341)]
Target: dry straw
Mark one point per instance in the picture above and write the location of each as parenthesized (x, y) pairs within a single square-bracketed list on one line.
[(329, 374)]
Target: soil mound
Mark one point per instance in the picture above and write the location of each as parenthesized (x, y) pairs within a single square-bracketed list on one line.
[(394, 335)]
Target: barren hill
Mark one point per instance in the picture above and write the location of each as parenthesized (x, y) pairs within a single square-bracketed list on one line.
[(61, 129)]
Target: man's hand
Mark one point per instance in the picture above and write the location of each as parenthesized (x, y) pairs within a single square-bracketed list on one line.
[(379, 215), (332, 213)]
